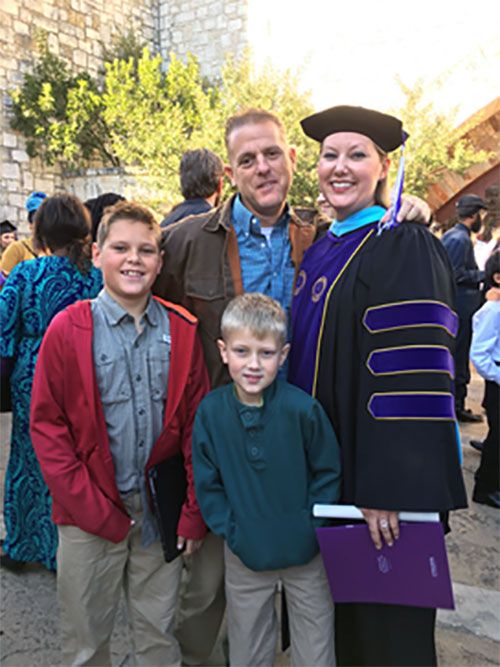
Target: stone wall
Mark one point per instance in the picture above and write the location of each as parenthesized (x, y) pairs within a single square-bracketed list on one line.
[(74, 30), (207, 28)]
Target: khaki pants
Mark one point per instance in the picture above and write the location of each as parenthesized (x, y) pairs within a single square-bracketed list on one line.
[(202, 605), (91, 572), (252, 620)]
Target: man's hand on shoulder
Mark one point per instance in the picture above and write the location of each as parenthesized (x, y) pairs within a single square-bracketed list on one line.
[(412, 209), (493, 294)]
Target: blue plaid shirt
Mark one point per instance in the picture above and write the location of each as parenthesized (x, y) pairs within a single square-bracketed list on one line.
[(265, 267)]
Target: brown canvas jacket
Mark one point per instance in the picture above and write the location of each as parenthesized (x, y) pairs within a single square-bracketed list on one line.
[(201, 271)]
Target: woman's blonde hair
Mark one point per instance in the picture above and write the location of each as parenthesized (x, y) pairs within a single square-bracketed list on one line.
[(382, 189)]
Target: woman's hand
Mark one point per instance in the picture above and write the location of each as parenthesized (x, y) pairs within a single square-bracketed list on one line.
[(191, 545), (382, 524)]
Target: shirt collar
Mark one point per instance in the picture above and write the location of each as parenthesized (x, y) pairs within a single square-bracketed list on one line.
[(115, 313), (247, 222), (357, 220), (462, 226), (267, 396), (197, 200)]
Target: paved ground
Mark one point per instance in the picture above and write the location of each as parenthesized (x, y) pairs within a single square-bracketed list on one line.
[(468, 636)]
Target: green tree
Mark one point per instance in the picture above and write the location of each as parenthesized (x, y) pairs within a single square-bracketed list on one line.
[(434, 142), (155, 116), (61, 113), (122, 45)]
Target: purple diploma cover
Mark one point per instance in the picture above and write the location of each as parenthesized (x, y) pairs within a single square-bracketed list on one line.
[(414, 571)]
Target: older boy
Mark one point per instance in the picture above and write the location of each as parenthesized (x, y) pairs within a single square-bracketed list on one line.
[(116, 387), (263, 454)]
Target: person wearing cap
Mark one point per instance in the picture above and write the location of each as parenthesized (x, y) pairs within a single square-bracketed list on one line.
[(254, 241), (468, 279), (372, 339), (20, 251)]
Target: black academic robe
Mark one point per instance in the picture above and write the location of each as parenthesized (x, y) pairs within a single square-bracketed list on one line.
[(373, 336), (384, 364)]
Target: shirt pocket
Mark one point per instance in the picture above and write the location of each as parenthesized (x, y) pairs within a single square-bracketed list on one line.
[(112, 378), (206, 300), (158, 367), (205, 288)]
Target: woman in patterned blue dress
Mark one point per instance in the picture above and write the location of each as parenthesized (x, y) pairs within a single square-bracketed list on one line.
[(33, 294)]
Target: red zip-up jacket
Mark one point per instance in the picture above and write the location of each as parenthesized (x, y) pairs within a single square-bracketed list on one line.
[(69, 432)]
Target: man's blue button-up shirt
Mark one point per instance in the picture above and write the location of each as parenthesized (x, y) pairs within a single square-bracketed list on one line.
[(266, 262)]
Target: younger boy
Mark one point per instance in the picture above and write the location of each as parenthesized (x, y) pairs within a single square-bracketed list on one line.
[(117, 383), (485, 355), (263, 453)]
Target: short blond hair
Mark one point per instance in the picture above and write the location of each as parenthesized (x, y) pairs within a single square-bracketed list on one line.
[(126, 210), (257, 312), (252, 116)]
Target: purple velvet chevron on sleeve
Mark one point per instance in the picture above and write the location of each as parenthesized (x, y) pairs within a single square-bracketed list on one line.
[(430, 405), (411, 359), (422, 313)]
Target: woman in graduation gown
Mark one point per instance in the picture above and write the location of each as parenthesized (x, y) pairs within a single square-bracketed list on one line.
[(373, 335)]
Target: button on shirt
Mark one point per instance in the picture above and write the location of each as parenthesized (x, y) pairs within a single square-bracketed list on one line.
[(265, 258), (132, 375), (266, 264), (251, 420)]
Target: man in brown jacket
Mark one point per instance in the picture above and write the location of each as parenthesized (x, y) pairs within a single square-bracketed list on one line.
[(252, 242)]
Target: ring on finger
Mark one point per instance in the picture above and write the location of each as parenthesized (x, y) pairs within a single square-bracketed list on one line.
[(383, 523)]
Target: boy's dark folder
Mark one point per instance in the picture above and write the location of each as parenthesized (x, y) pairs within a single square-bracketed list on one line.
[(168, 484), (414, 571)]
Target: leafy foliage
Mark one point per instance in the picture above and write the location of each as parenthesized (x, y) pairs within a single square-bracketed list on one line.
[(60, 113), (434, 142), (154, 117), (121, 46)]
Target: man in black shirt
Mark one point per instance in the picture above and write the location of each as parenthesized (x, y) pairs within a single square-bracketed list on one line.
[(468, 278)]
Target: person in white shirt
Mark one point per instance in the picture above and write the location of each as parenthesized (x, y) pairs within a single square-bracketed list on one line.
[(485, 355)]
